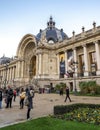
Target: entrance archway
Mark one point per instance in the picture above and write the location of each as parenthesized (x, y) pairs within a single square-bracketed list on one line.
[(32, 70)]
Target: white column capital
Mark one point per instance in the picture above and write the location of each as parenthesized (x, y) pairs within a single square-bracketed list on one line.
[(84, 45), (95, 42), (74, 48)]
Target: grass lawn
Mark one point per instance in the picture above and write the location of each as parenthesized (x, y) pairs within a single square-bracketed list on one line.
[(48, 123)]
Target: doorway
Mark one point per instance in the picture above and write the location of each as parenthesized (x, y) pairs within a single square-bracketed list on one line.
[(32, 67)]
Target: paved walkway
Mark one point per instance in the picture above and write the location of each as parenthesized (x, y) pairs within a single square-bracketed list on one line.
[(43, 106)]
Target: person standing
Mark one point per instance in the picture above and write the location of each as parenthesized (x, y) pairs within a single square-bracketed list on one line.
[(22, 97), (61, 91), (9, 96), (67, 94), (14, 93), (30, 96), (0, 98)]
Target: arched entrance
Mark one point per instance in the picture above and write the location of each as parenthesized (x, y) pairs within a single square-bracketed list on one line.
[(32, 67)]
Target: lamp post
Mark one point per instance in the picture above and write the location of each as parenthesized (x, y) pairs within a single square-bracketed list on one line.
[(75, 88), (74, 74), (6, 68)]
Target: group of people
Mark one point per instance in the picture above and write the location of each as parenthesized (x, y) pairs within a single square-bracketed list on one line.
[(26, 97), (9, 95)]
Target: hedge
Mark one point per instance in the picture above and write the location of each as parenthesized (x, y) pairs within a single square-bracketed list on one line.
[(62, 109)]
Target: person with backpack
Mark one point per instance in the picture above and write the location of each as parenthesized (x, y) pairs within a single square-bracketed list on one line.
[(9, 96), (14, 94), (22, 97), (30, 96)]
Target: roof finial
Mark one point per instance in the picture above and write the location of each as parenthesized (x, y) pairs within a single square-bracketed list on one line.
[(83, 29), (94, 24), (51, 18), (73, 33), (51, 23)]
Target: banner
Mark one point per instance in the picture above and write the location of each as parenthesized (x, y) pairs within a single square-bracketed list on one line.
[(62, 64)]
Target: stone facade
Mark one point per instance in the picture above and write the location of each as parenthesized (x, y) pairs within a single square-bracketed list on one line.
[(38, 60)]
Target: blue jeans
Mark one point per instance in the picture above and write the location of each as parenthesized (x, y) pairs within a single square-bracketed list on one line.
[(0, 104)]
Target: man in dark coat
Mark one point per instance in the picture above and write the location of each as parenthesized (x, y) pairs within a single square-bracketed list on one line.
[(67, 94), (9, 96)]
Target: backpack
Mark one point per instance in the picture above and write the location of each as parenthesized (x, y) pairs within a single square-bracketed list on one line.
[(26, 101), (10, 92), (32, 93)]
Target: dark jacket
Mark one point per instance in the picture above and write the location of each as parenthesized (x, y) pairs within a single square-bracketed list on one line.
[(9, 93), (0, 95), (30, 98)]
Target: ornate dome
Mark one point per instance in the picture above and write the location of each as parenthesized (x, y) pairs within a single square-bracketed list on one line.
[(51, 33), (4, 60)]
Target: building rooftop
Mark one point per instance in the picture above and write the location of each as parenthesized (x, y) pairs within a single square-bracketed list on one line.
[(51, 33)]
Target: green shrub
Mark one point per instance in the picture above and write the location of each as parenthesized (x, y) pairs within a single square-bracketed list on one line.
[(60, 85), (89, 87), (61, 109)]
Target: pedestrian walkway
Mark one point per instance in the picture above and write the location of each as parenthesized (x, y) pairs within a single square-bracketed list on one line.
[(43, 106)]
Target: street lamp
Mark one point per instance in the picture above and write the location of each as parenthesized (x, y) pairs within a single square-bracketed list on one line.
[(75, 65), (6, 68)]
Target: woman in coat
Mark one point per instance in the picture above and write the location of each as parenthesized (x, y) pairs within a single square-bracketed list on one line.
[(30, 95)]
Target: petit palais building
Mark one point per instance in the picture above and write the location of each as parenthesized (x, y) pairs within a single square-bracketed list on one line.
[(51, 57)]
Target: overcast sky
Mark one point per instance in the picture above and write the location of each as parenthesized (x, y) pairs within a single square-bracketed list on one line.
[(20, 17)]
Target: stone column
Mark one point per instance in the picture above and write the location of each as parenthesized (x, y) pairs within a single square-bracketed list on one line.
[(75, 60), (3, 74), (37, 65), (40, 63), (8, 76), (86, 71), (14, 72), (75, 69), (58, 61), (66, 62), (11, 73), (97, 49), (18, 68), (22, 69)]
